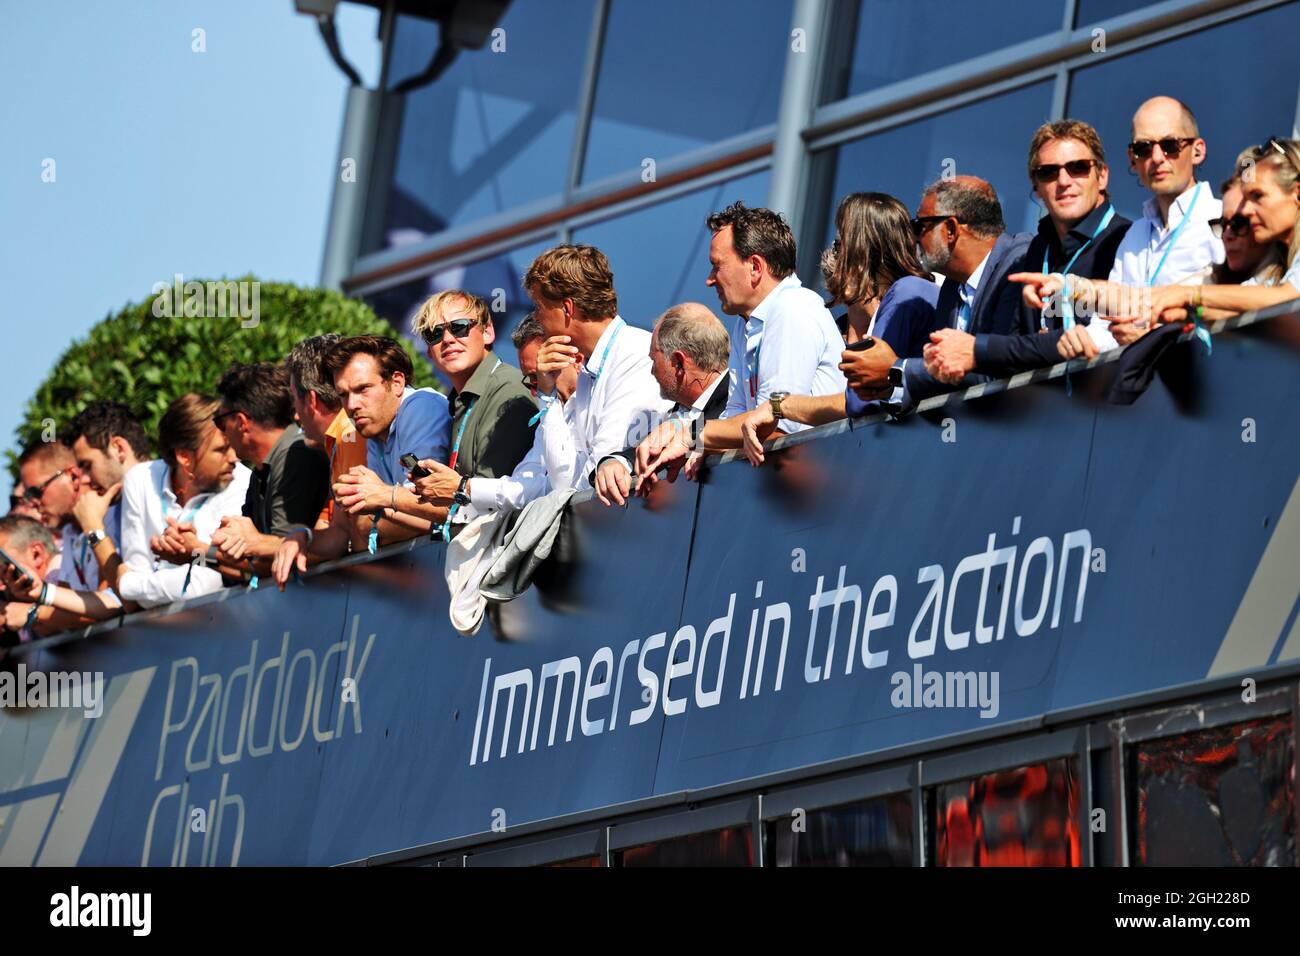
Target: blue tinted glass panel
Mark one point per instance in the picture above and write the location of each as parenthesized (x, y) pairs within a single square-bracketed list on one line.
[(660, 254), (496, 279), (494, 131), (1094, 11), (1235, 106), (665, 86), (897, 39), (986, 139), (872, 833)]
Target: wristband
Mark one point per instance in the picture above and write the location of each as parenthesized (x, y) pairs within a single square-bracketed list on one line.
[(311, 535), (47, 594)]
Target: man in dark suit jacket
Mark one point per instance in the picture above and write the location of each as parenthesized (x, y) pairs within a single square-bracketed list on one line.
[(1079, 235), (689, 352), (960, 231)]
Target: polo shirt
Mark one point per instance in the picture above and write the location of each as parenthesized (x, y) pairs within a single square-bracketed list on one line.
[(289, 487), (494, 409)]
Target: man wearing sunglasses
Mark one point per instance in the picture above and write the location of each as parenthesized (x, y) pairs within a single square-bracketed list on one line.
[(1079, 236), (1172, 243), (53, 484), (491, 409)]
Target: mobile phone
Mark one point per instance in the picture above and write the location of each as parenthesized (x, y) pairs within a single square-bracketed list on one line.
[(411, 464), (7, 559), (861, 345)]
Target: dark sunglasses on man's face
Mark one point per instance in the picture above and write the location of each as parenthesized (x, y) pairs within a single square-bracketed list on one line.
[(459, 328), (1171, 147), (34, 493), (922, 223), (1075, 169), (1238, 225)]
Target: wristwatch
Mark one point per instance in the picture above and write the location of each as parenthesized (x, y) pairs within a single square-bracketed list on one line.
[(96, 536), (775, 399), (461, 497), (896, 375)]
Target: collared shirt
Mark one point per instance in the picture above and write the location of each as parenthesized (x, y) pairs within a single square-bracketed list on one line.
[(421, 427), (1093, 262), (80, 570), (1292, 276), (289, 487), (792, 339), (345, 450), (689, 414), (147, 502), (497, 435), (967, 292), (529, 479), (616, 404)]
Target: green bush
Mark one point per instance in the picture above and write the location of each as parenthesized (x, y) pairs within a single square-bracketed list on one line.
[(145, 361)]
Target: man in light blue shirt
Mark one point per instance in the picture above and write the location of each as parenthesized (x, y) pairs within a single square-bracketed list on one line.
[(371, 373)]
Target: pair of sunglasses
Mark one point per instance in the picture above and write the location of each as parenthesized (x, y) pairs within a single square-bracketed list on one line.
[(922, 223), (34, 494), (1075, 169), (1171, 146), (1238, 225), (459, 329)]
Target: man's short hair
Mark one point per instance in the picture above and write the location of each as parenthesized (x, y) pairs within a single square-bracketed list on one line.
[(20, 531), (54, 453), (431, 313), (576, 272), (692, 329), (526, 331), (758, 232), (1076, 130), (185, 424), (1185, 115), (305, 365), (99, 422), (973, 201), (387, 352), (259, 390)]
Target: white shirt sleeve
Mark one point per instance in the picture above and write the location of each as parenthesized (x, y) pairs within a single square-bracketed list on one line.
[(789, 358), (559, 449), (526, 482), (631, 407)]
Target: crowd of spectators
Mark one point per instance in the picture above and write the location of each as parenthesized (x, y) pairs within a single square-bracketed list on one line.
[(332, 451)]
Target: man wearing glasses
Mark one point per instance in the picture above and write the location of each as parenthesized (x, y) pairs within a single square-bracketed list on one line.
[(1079, 236), (1172, 243), (52, 481), (490, 407)]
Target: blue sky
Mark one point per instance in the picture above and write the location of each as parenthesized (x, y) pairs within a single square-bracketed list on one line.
[(166, 160)]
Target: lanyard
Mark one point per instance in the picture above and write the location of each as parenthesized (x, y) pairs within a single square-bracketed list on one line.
[(1067, 303), (80, 566), (618, 327), (753, 374), (1173, 240), (460, 432)]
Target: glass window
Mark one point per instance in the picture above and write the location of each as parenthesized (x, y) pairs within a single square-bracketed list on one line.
[(582, 862), (493, 132), (497, 279), (1094, 11), (1236, 105), (665, 86), (872, 833), (1221, 797), (731, 847), (897, 39), (988, 138), (1023, 817), (660, 254)]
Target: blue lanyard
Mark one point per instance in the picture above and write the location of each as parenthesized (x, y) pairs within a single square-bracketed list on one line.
[(460, 432), (753, 375), (618, 327), (185, 514), (1173, 240), (1067, 303)]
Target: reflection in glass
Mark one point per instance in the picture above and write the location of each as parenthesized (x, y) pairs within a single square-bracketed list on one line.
[(495, 131), (1262, 102), (582, 863), (1094, 11), (1023, 817), (904, 160), (660, 254), (872, 833), (497, 279), (1220, 797), (667, 85), (898, 39), (730, 847)]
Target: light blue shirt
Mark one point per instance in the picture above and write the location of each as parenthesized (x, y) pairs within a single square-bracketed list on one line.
[(788, 344), (1292, 276), (422, 426)]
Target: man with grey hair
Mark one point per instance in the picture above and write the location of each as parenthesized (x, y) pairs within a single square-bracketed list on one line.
[(960, 235), (326, 426), (689, 355)]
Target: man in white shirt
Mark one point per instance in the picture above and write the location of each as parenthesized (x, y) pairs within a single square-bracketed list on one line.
[(371, 373), (617, 397), (784, 340), (171, 507), (1172, 242)]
